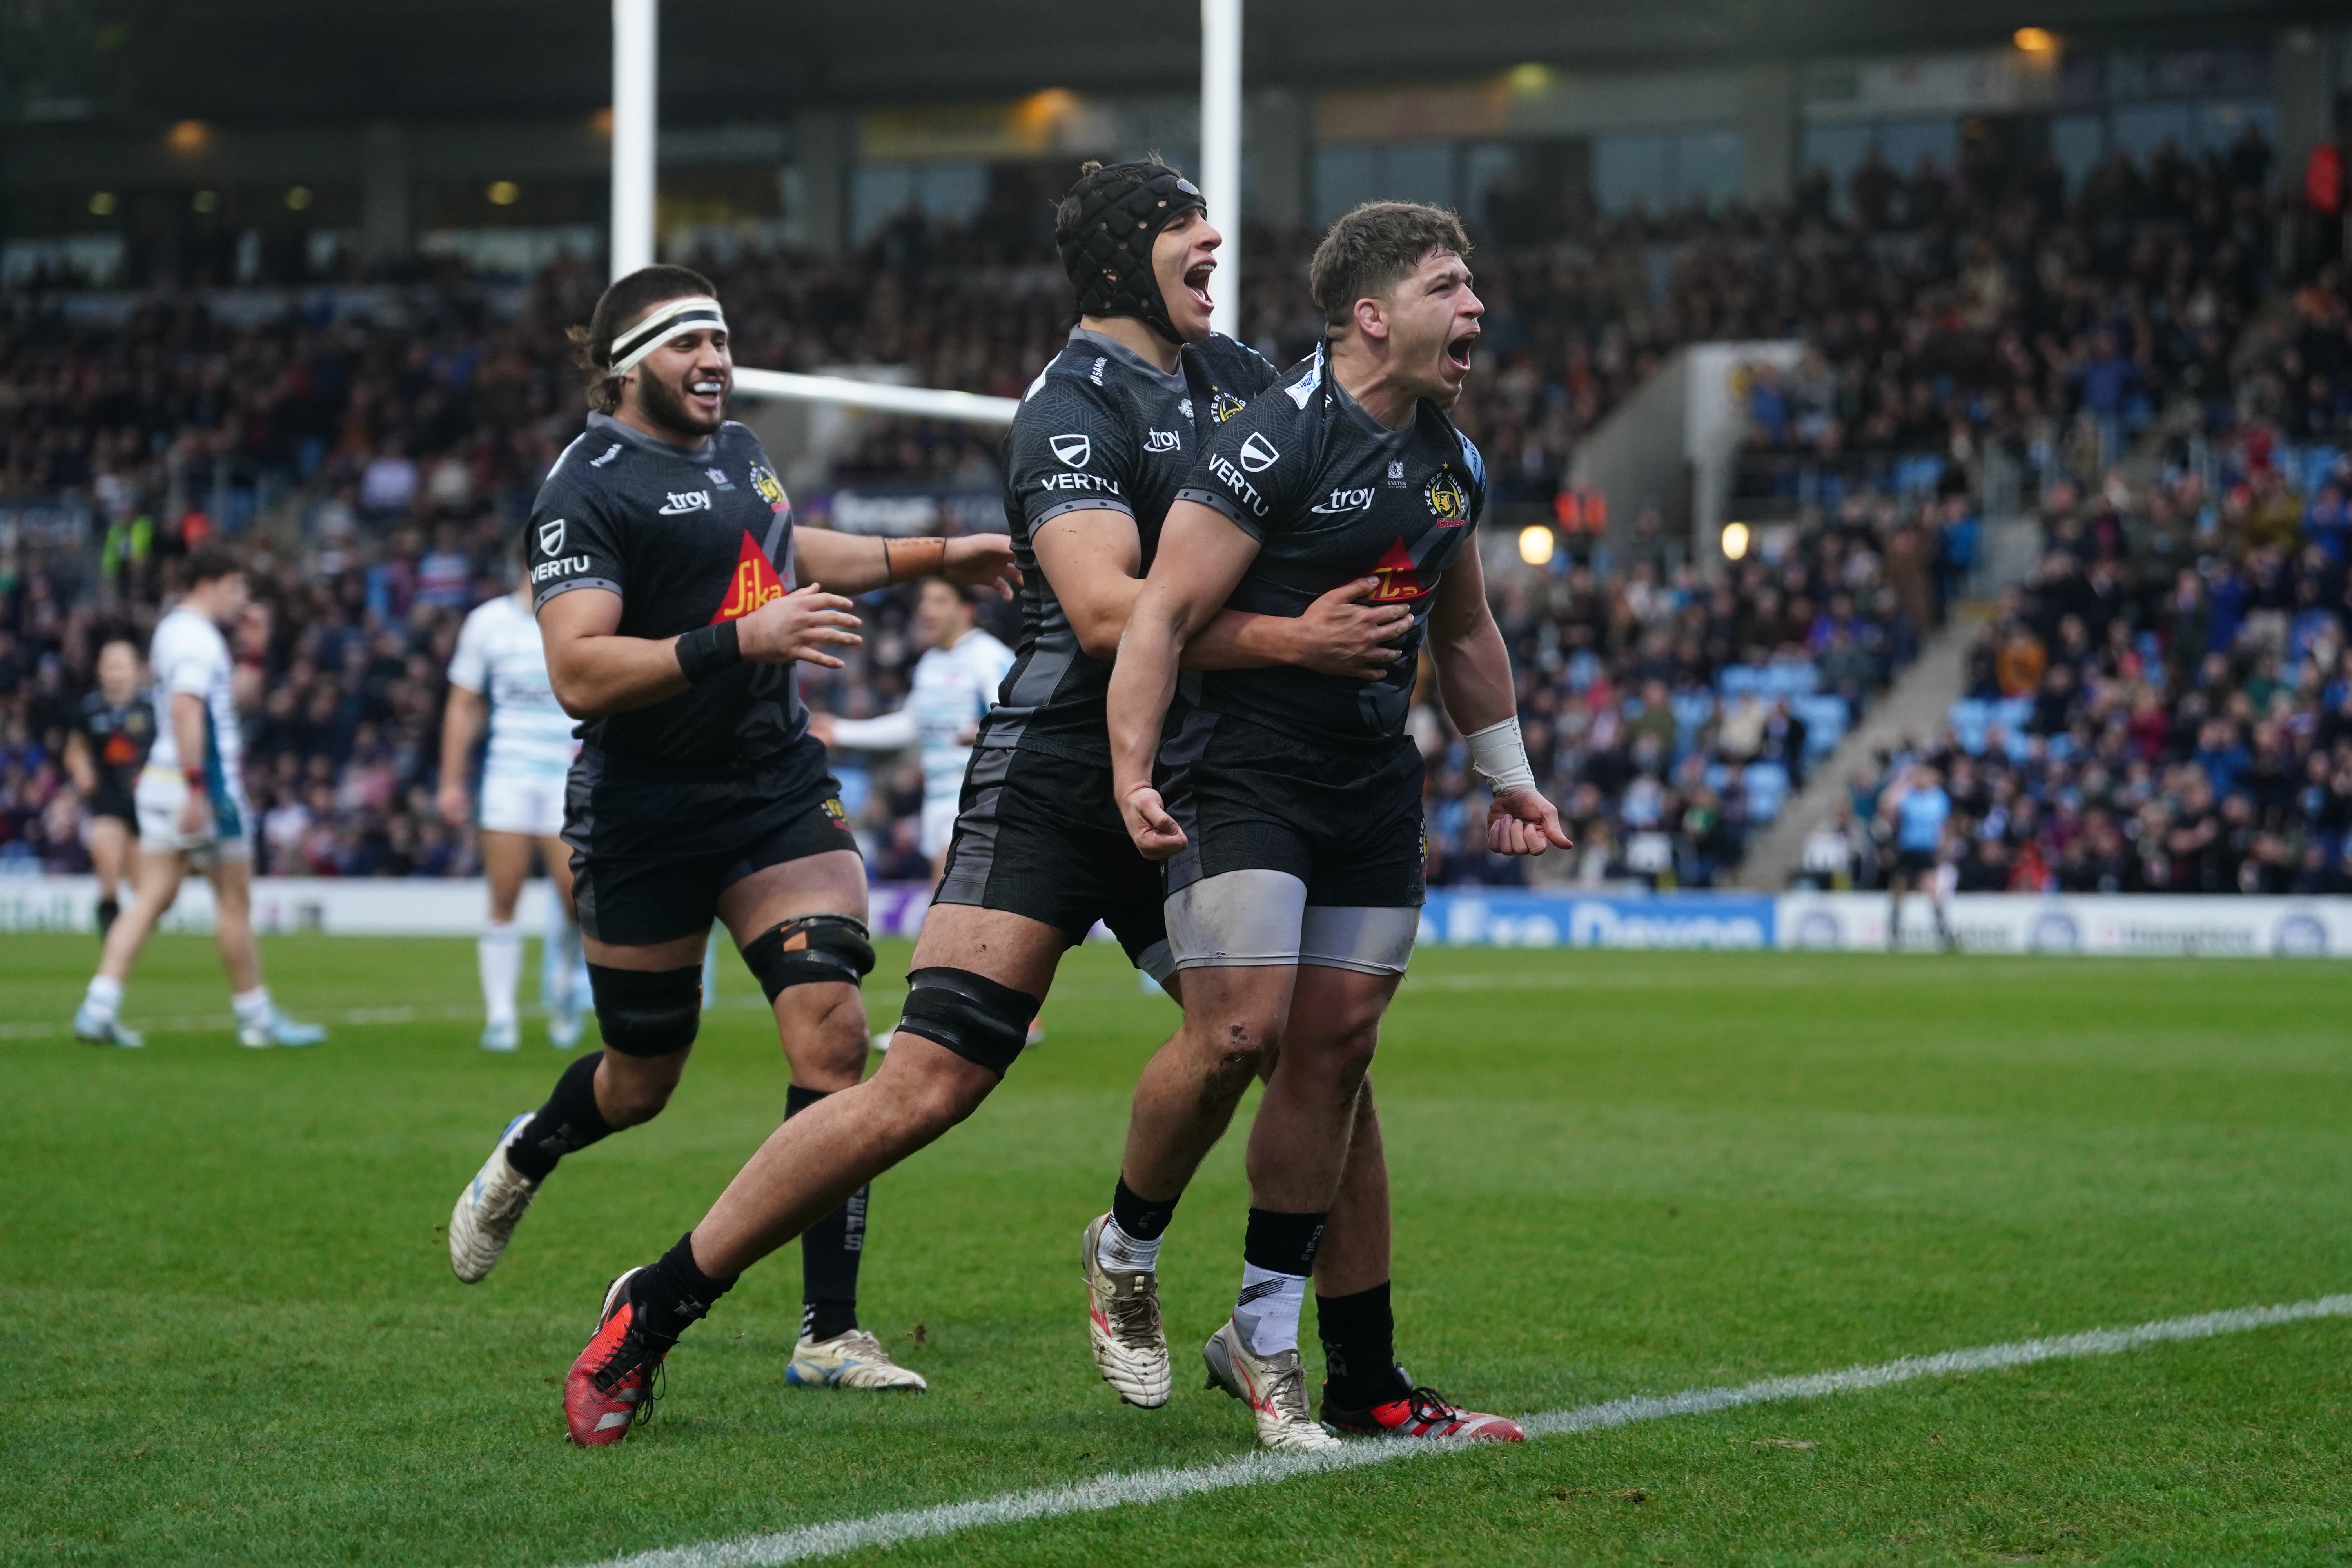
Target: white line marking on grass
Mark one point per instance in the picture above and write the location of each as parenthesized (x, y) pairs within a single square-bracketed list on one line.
[(1115, 1491)]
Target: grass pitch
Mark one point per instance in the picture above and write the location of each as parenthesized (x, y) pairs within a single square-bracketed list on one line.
[(234, 1336)]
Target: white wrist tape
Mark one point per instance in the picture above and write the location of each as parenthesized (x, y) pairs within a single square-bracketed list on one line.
[(1500, 753)]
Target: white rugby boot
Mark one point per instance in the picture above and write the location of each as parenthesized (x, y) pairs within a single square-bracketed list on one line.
[(489, 1209), (852, 1360), (1123, 1323), (505, 1034), (278, 1030), (93, 1031), (1274, 1387)]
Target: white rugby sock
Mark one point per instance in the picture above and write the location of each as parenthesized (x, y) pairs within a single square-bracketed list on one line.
[(500, 950), (1267, 1313), (252, 1007), (559, 957), (104, 997), (1117, 1250)]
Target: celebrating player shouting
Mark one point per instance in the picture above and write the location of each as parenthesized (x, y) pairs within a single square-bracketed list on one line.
[(662, 549), (1105, 437), (1291, 820)]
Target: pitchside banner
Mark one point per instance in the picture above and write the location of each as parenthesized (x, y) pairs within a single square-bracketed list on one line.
[(1984, 922), (2149, 926)]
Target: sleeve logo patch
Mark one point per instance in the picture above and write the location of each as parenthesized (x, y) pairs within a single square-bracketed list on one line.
[(550, 537), (1258, 455), (1449, 503), (1074, 450), (611, 452)]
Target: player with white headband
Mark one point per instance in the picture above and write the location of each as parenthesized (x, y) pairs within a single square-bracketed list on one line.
[(663, 561)]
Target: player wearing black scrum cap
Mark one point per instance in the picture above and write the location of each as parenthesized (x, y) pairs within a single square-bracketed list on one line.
[(1105, 437), (663, 561)]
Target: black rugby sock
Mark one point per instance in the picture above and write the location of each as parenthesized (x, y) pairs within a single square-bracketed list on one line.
[(674, 1292), (829, 1250), (1145, 1219), (568, 1122), (1359, 1335)]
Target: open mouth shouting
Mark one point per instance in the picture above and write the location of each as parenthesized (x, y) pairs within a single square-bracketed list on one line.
[(1196, 284), (1457, 352)]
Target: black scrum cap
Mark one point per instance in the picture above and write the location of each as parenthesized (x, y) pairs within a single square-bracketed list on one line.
[(1105, 227)]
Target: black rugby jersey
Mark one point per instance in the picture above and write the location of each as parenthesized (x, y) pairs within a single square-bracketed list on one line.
[(118, 738), (687, 537), (1100, 428), (1329, 494)]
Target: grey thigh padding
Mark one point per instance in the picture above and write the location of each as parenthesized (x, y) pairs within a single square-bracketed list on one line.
[(1237, 919), (1367, 940)]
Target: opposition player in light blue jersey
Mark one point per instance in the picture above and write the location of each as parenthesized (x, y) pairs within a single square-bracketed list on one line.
[(954, 682), (1914, 814), (193, 815), (498, 677)]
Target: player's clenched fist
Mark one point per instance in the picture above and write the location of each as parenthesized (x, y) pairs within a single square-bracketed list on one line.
[(1522, 822), (800, 625), (1155, 831)]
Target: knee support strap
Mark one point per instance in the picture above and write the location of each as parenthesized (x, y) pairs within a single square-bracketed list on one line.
[(978, 1019), (647, 1013), (807, 950)]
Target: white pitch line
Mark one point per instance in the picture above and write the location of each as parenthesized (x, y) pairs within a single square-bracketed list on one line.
[(1115, 1491)]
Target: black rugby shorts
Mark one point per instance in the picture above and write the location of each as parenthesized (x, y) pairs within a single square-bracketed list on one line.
[(1039, 836), (650, 856)]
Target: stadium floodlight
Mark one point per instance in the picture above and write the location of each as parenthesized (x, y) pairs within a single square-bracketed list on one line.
[(1221, 151), (637, 107), (919, 401)]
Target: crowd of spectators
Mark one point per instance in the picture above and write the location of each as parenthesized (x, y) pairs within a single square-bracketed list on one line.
[(391, 450), (2168, 706)]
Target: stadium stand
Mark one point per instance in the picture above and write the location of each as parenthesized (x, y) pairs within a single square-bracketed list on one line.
[(1960, 334)]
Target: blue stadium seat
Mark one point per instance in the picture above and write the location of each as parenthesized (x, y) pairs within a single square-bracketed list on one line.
[(1768, 790)]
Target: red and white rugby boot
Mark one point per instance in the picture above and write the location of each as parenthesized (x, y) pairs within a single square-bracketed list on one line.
[(1422, 1412), (1274, 1389), (1123, 1324), (611, 1387)]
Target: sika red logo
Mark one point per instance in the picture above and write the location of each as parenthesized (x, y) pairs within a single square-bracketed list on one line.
[(1400, 578), (753, 585)]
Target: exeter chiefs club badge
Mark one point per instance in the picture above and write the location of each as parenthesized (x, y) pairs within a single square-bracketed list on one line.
[(836, 812), (763, 479), (1223, 407), (1449, 503)]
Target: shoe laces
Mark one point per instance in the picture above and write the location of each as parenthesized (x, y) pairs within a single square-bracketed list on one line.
[(1134, 1317), (635, 1353), (862, 1342), (1285, 1390), (1428, 1405)]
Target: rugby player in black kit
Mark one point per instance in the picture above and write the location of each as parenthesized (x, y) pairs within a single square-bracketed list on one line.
[(663, 562), (1286, 804), (1105, 437)]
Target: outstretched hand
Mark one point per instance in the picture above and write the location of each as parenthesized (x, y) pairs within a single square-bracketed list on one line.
[(1522, 822), (981, 560), (1341, 634), (1156, 835)]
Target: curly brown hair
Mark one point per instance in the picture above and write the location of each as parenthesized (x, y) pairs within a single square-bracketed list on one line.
[(620, 307)]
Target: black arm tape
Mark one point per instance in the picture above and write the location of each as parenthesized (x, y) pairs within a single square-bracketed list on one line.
[(984, 1022), (810, 948), (706, 650), (647, 1013)]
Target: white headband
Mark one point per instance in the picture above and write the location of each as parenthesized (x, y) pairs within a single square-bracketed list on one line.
[(669, 319)]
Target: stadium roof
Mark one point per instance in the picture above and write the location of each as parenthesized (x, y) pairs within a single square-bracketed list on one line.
[(248, 61)]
